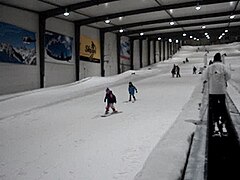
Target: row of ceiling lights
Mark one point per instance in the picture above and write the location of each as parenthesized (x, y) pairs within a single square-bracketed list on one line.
[(194, 38), (198, 7)]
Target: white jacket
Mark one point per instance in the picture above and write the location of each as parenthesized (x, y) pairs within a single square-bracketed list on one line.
[(217, 75)]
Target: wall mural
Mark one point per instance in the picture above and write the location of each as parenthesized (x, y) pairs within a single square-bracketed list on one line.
[(125, 49), (89, 49), (17, 45), (58, 47), (124, 54)]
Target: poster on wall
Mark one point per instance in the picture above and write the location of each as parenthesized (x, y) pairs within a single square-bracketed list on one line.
[(89, 49), (17, 45), (125, 48), (58, 47), (124, 54)]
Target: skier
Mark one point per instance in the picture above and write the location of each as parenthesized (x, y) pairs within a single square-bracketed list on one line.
[(173, 71), (132, 89), (223, 58), (205, 60), (217, 75), (194, 69), (178, 71), (110, 98)]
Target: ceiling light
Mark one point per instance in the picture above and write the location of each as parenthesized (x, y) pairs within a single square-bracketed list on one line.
[(203, 27), (176, 40), (159, 38), (197, 39), (184, 34), (226, 31), (194, 38), (205, 33), (231, 3), (66, 13), (170, 40), (198, 7), (171, 23), (121, 30), (171, 11), (223, 34), (232, 17), (191, 37), (141, 34), (107, 21), (120, 18)]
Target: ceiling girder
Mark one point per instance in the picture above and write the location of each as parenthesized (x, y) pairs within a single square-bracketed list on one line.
[(148, 10), (124, 26), (180, 26), (72, 7)]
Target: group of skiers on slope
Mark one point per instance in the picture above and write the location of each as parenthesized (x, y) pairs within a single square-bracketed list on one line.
[(215, 78), (110, 98), (175, 71)]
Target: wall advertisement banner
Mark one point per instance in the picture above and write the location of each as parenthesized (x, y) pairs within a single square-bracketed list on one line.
[(58, 48), (89, 49), (17, 45)]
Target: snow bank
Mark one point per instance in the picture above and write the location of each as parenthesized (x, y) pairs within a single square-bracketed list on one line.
[(168, 158)]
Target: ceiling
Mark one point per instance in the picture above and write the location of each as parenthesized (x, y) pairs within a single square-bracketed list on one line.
[(150, 17)]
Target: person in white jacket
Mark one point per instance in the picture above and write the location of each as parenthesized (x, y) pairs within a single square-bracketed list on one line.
[(216, 77)]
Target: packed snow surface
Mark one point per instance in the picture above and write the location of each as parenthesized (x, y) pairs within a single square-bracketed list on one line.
[(58, 133)]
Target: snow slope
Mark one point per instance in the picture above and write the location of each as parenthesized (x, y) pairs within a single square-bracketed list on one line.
[(57, 132)]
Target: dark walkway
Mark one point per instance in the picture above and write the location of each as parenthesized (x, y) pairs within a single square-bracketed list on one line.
[(223, 152)]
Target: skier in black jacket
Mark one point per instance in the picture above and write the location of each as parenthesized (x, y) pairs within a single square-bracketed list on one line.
[(110, 98)]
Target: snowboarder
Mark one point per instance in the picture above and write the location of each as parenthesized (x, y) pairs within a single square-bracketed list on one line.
[(110, 98), (132, 89), (217, 75)]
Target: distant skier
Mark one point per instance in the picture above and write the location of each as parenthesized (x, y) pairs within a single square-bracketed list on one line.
[(178, 71), (194, 69), (210, 62), (223, 58), (205, 60), (132, 89), (110, 98), (173, 71)]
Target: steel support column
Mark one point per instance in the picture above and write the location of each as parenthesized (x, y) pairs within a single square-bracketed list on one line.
[(102, 41), (118, 53), (140, 52), (77, 50), (42, 27)]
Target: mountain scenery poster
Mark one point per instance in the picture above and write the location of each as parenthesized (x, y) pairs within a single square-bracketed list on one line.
[(58, 47), (17, 45), (125, 48)]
